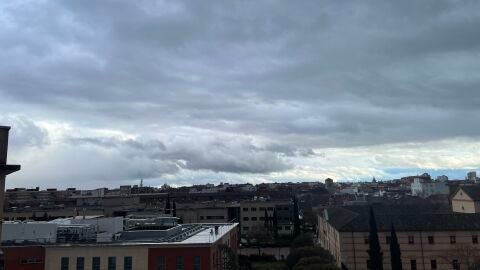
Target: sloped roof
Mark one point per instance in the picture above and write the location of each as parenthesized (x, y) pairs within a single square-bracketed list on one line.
[(472, 191), (404, 218)]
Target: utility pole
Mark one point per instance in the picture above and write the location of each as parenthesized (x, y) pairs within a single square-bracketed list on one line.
[(5, 170)]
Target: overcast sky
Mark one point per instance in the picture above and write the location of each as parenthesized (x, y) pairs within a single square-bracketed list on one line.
[(102, 93)]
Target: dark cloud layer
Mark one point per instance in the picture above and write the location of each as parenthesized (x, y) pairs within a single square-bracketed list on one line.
[(290, 76)]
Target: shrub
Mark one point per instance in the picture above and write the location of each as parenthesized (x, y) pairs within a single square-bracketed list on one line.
[(303, 252)]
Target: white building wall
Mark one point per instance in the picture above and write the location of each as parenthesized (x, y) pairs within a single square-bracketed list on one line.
[(41, 232), (105, 227)]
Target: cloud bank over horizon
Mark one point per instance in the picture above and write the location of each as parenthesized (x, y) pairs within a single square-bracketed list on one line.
[(102, 93)]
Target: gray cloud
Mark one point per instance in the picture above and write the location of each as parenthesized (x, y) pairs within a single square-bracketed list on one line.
[(25, 134), (232, 155), (295, 76)]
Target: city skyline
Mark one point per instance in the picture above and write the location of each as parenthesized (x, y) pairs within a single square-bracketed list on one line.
[(185, 93)]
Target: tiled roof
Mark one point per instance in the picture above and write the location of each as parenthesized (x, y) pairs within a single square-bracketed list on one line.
[(404, 218), (472, 191)]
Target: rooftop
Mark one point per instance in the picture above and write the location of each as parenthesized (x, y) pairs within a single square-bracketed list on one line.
[(404, 218), (185, 234), (473, 191)]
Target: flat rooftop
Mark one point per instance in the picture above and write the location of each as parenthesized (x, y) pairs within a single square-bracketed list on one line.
[(198, 234)]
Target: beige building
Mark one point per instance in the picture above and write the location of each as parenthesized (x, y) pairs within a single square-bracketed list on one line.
[(88, 253), (466, 199), (252, 215), (206, 212), (427, 240)]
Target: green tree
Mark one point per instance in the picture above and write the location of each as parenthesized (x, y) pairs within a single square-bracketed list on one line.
[(296, 218), (374, 251), (303, 240), (266, 219), (303, 252), (167, 205), (275, 224), (314, 263), (395, 253)]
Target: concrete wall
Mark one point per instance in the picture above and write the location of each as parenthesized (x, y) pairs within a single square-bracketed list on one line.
[(203, 215), (104, 224), (39, 232), (139, 256)]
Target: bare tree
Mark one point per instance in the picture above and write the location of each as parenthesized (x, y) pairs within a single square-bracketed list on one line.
[(463, 257)]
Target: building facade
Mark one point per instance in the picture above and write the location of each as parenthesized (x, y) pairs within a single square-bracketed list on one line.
[(252, 215), (427, 241), (466, 199), (425, 188)]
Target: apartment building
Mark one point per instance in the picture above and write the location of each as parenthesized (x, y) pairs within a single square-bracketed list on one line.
[(427, 240), (252, 215), (426, 187)]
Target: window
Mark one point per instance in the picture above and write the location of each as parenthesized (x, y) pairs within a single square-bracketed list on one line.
[(474, 239), (245, 209), (261, 209), (197, 263), (179, 263), (64, 263), (270, 208), (112, 263), (96, 263), (413, 264), (455, 265), (433, 264), (161, 265), (366, 240), (431, 240), (80, 263), (127, 263), (287, 228), (387, 240), (202, 217), (245, 219), (453, 239), (254, 218), (253, 209), (245, 228), (411, 239), (261, 218)]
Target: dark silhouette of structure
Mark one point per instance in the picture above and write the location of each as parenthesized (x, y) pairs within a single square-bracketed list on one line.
[(5, 169)]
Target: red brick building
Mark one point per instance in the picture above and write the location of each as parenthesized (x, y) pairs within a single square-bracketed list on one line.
[(24, 258)]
